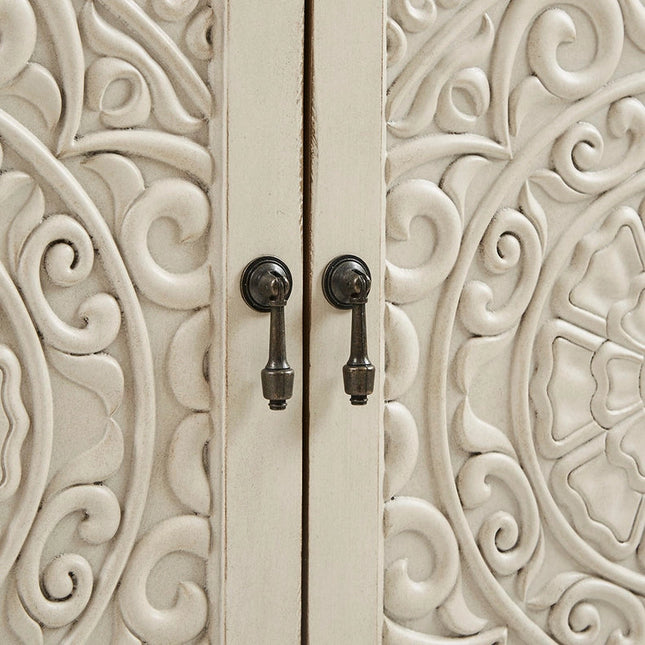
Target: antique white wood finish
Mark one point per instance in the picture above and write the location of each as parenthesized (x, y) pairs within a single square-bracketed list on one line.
[(347, 213), (263, 458), (514, 323), (149, 150)]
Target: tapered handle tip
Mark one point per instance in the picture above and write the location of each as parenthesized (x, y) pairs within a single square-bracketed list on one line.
[(277, 386)]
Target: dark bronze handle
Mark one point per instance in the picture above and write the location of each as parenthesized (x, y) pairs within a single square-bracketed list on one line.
[(266, 286), (346, 285)]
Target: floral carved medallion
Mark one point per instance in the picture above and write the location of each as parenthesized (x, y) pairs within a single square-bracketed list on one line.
[(515, 323)]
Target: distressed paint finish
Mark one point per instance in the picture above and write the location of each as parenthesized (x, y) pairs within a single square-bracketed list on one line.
[(105, 158), (514, 331), (142, 479), (263, 458), (347, 213)]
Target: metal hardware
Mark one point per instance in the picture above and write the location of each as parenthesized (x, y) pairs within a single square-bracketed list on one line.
[(346, 285), (266, 286)]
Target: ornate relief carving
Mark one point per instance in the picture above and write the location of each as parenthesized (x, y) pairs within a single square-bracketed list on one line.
[(514, 324), (104, 125)]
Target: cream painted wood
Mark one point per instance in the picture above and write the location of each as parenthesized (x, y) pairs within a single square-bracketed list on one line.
[(263, 448), (514, 323), (149, 150), (345, 441), (105, 493)]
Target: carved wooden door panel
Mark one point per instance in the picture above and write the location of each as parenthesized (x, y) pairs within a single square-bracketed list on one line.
[(150, 149), (514, 324)]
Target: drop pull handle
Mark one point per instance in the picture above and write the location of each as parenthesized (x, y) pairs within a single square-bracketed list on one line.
[(346, 285), (266, 286)]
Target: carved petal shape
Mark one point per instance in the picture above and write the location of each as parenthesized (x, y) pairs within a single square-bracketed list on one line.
[(584, 482)]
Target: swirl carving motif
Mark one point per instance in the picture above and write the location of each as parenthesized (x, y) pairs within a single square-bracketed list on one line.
[(525, 119), (104, 115)]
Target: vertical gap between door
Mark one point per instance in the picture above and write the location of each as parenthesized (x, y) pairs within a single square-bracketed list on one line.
[(308, 149)]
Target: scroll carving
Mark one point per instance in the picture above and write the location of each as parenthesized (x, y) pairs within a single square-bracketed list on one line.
[(519, 422), (105, 114)]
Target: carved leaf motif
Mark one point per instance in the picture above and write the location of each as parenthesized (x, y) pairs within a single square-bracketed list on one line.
[(555, 186), (475, 353), (122, 177), (110, 42), (457, 616), (526, 100), (477, 436), (554, 589), (99, 373), (459, 177), (401, 447), (95, 464), (394, 634), (408, 121), (38, 87), (401, 352)]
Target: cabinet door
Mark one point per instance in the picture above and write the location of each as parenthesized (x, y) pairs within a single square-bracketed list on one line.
[(344, 442), (514, 331), (515, 419), (149, 151)]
